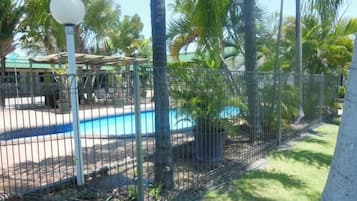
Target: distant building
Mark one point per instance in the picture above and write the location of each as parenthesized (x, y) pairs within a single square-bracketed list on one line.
[(37, 76), (18, 74)]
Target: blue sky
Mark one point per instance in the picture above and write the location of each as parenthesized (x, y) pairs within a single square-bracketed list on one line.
[(142, 7)]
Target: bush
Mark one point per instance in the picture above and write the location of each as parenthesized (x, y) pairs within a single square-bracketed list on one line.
[(341, 91)]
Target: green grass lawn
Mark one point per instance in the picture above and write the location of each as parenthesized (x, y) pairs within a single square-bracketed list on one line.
[(298, 173)]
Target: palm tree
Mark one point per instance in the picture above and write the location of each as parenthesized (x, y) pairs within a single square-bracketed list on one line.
[(328, 52), (163, 169), (10, 14), (41, 33), (323, 23), (277, 53), (298, 59), (124, 36), (212, 25), (326, 11), (250, 48), (202, 22), (181, 34), (9, 17), (341, 182), (205, 22)]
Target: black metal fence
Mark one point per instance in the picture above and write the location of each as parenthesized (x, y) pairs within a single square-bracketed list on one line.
[(219, 120)]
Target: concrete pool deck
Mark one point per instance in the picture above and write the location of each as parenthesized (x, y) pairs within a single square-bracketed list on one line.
[(43, 161), (33, 162), (29, 163)]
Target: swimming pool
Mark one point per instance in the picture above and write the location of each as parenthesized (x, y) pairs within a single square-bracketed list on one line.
[(122, 125)]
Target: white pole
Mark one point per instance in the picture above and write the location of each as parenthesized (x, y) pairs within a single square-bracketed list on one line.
[(74, 103)]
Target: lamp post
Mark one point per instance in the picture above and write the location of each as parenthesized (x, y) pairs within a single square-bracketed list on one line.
[(70, 13)]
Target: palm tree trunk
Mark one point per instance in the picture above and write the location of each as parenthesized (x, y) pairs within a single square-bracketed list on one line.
[(342, 180), (277, 53), (298, 69), (163, 169), (250, 47)]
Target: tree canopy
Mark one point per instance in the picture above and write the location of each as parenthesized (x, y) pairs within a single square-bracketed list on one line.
[(102, 30), (218, 32), (10, 14)]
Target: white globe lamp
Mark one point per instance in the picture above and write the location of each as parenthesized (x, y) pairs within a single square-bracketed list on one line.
[(67, 11)]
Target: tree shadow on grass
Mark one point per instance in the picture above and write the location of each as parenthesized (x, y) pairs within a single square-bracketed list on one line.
[(287, 181), (315, 141), (304, 156), (246, 190), (247, 195)]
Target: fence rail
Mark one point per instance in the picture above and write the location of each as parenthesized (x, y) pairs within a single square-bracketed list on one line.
[(218, 121)]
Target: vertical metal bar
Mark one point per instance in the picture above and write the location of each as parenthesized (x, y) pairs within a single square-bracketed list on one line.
[(3, 147), (27, 160), (85, 128), (2, 80), (31, 83), (16, 121), (74, 103), (92, 126), (139, 159), (279, 108), (11, 153), (126, 142), (55, 119), (106, 76), (322, 83)]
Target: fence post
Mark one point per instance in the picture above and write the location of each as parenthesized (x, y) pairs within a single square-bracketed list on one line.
[(2, 80), (31, 84), (139, 160), (322, 87), (279, 108)]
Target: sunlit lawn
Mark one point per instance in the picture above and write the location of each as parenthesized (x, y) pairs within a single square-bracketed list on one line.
[(298, 173)]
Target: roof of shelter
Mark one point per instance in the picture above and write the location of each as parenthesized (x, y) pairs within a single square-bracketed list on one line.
[(105, 62), (89, 59), (23, 63)]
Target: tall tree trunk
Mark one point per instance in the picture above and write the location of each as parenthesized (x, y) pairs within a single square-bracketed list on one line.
[(250, 47), (277, 53), (342, 180), (163, 169), (298, 69)]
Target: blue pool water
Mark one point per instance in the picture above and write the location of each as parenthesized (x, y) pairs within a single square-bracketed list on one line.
[(120, 125), (125, 124)]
